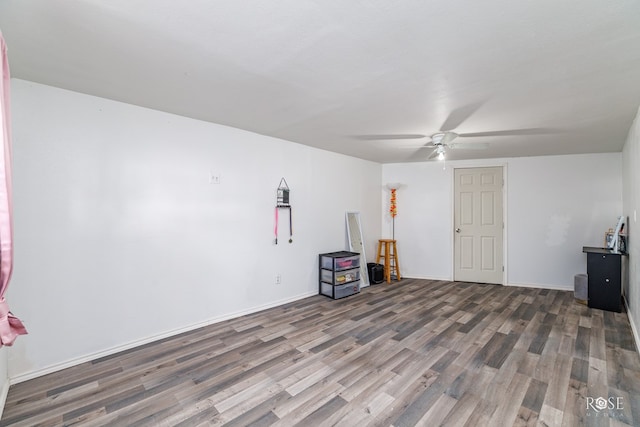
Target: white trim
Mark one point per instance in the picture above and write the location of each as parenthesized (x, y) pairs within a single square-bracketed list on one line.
[(452, 209), (93, 356), (411, 276), (542, 286), (636, 335), (520, 285), (505, 228)]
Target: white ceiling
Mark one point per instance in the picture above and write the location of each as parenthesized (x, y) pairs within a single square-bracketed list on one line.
[(323, 72)]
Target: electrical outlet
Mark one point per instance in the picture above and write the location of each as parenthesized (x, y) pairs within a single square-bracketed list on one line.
[(214, 178), (278, 279)]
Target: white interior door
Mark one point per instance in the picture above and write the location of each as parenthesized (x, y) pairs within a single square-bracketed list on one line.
[(478, 225)]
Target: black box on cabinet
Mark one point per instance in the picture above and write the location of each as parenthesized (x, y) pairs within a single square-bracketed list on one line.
[(376, 273)]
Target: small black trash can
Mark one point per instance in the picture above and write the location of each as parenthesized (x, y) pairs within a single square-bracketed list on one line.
[(376, 273)]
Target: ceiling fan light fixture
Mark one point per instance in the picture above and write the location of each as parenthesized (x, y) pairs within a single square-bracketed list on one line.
[(441, 155), (437, 138)]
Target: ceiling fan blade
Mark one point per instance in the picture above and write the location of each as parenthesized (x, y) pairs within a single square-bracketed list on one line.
[(390, 136), (415, 147), (459, 116), (449, 137), (511, 132), (469, 146), (433, 154)]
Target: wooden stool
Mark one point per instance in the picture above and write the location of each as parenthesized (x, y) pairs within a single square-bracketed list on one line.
[(390, 256)]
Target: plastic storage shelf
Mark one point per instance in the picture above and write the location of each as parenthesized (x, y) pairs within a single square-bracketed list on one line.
[(339, 274), (339, 277), (337, 261)]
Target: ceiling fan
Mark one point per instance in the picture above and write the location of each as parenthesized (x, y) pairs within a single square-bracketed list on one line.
[(443, 139)]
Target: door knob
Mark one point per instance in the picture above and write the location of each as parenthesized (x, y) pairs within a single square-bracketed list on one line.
[(457, 230)]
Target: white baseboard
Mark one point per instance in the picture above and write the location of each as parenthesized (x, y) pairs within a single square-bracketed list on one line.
[(86, 358), (634, 329), (539, 286), (414, 276), (521, 285)]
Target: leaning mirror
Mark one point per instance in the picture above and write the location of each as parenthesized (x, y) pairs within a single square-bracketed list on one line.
[(354, 235)]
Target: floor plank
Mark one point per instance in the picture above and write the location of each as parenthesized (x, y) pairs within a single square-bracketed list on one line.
[(411, 353)]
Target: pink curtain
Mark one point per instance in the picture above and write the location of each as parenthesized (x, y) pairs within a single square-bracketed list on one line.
[(10, 326)]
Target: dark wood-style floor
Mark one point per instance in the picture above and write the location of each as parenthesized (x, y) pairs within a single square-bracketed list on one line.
[(415, 352)]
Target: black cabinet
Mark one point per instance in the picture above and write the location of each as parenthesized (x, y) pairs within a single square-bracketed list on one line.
[(605, 273)]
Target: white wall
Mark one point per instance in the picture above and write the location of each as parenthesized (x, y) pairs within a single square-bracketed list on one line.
[(120, 237), (554, 206), (424, 221), (557, 205), (631, 162), (4, 378)]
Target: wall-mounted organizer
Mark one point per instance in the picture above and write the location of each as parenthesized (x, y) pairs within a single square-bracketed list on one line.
[(339, 274), (282, 194)]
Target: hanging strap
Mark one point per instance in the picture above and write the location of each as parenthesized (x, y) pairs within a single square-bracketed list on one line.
[(276, 226), (290, 225)]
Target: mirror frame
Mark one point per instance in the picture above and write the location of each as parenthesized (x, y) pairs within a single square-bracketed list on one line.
[(364, 271)]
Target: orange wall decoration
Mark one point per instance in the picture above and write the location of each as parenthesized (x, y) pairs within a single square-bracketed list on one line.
[(393, 210)]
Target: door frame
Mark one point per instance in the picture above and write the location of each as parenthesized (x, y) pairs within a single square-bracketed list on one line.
[(505, 230)]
